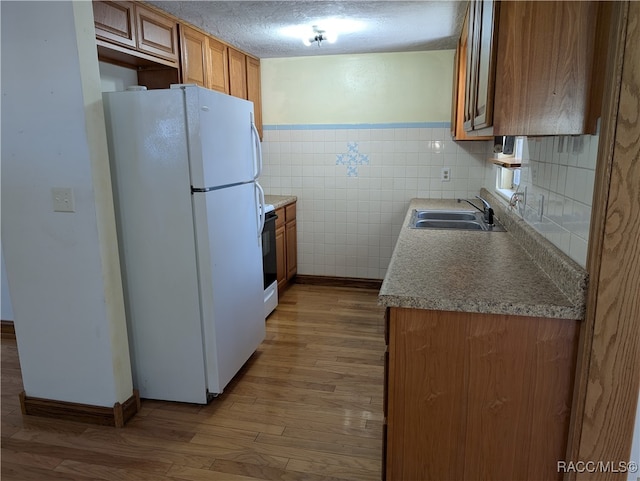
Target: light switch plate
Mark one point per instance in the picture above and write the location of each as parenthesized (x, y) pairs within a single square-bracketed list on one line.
[(62, 199)]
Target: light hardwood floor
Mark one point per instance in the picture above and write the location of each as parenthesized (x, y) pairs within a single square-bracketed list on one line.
[(306, 406)]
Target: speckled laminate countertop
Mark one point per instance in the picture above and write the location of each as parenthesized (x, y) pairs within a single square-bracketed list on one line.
[(471, 271), (280, 200)]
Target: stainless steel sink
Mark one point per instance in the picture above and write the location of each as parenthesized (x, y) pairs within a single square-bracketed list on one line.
[(445, 214), (451, 219), (448, 224)]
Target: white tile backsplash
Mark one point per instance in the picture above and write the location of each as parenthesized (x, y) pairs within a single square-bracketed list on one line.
[(350, 212), (562, 170)]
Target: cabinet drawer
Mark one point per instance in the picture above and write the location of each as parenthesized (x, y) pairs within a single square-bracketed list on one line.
[(280, 220), (290, 213)]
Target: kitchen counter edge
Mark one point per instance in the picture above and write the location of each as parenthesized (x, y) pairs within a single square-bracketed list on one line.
[(279, 201), (532, 289)]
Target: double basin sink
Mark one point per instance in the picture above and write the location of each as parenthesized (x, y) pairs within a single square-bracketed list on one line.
[(451, 219)]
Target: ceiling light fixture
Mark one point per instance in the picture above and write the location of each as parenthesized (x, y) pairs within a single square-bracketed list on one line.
[(318, 36)]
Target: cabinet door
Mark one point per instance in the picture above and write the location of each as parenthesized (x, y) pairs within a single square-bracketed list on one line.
[(292, 249), (156, 34), (486, 68), (544, 70), (237, 74), (194, 59), (426, 389), (459, 88), (471, 65), (481, 51), (254, 90), (281, 257), (217, 66), (114, 22)]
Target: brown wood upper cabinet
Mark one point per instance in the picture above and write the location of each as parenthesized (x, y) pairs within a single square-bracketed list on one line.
[(115, 22), (481, 67), (203, 60), (218, 65), (529, 68), (128, 33), (244, 82), (254, 92), (193, 60), (157, 34), (237, 73), (129, 28), (460, 91)]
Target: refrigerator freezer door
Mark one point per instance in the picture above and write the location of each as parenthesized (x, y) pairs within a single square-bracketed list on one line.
[(231, 286), (221, 150), (153, 203)]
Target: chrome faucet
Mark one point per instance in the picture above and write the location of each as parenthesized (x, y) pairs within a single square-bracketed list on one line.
[(487, 210)]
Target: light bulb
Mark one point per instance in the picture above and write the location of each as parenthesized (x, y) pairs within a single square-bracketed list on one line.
[(330, 37)]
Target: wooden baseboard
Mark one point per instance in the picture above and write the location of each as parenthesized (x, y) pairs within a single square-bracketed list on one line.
[(7, 330), (358, 282), (116, 416)]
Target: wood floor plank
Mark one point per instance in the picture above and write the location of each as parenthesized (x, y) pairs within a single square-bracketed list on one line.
[(27, 458), (292, 450), (307, 406), (60, 453), (149, 426), (265, 472), (120, 447), (336, 415), (284, 384), (302, 396), (313, 444), (109, 473), (303, 469), (334, 438), (178, 472), (231, 419), (19, 472)]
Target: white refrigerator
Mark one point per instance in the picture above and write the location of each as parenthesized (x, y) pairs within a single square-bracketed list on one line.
[(184, 167)]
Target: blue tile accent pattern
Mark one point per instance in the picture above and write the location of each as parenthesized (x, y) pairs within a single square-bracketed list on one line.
[(352, 159), (395, 125)]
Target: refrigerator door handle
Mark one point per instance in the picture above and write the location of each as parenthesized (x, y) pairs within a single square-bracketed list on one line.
[(261, 208), (257, 153)]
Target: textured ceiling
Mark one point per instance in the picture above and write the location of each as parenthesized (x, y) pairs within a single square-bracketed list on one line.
[(386, 26)]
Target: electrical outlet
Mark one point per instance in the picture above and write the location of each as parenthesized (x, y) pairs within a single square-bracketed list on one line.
[(445, 174), (62, 199)]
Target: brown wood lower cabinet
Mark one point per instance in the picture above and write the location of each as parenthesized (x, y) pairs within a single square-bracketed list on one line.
[(473, 396)]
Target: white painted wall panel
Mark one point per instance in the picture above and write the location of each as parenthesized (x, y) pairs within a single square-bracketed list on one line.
[(352, 89), (63, 267), (7, 308)]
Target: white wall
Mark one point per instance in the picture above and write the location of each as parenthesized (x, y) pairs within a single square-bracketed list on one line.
[(114, 78), (63, 268), (354, 186), (356, 89), (356, 137), (5, 300)]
